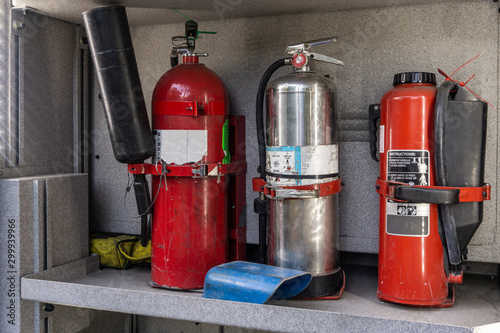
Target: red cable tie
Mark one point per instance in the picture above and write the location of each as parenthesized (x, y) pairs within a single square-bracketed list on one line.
[(443, 74), (463, 65), (448, 78), (469, 79), (473, 93)]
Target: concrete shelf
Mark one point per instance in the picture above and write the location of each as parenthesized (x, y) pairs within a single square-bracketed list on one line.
[(81, 284)]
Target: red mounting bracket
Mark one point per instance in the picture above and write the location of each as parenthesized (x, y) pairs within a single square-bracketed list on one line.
[(187, 170), (389, 190)]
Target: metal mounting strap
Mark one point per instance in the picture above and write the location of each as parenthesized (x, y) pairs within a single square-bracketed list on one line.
[(302, 191), (441, 195), (289, 176)]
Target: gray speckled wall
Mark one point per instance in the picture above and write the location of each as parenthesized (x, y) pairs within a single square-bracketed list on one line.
[(45, 214), (39, 125), (374, 44)]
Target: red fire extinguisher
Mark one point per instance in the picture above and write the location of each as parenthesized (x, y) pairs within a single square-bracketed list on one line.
[(198, 191), (191, 172), (431, 186)]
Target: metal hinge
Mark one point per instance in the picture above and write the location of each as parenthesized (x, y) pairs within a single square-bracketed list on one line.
[(26, 21)]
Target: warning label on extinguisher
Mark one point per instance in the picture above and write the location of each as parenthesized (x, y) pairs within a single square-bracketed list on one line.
[(407, 219), (410, 167), (180, 146)]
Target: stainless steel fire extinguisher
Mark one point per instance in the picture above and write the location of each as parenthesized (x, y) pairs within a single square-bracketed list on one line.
[(299, 180)]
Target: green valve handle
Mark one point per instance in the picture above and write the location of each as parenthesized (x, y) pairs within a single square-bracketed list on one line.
[(206, 33), (194, 26), (186, 44)]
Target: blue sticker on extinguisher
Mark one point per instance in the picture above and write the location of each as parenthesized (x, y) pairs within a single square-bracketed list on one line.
[(284, 160), (296, 161)]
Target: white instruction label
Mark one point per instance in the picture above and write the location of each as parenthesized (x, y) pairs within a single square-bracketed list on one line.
[(180, 146), (301, 160), (410, 167)]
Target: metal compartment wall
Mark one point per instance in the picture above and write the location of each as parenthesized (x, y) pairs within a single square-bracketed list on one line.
[(374, 44)]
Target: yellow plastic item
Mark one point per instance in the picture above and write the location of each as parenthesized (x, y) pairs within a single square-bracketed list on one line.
[(119, 251)]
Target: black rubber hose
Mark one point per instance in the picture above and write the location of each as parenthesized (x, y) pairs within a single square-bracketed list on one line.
[(259, 113), (448, 220), (263, 238), (259, 117)]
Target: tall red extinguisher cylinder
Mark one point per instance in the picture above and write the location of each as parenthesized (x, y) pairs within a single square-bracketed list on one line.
[(191, 166), (411, 267), (432, 157), (189, 229)]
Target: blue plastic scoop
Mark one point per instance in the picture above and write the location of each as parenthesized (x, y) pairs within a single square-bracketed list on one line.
[(243, 281)]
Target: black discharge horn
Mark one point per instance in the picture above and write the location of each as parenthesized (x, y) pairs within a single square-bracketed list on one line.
[(126, 115)]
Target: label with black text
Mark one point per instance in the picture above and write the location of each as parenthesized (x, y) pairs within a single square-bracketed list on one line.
[(410, 167)]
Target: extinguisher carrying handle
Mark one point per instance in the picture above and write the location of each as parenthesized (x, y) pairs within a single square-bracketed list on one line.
[(427, 195), (438, 195), (374, 116)]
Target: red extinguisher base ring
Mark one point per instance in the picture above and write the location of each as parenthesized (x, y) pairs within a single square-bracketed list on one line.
[(439, 303)]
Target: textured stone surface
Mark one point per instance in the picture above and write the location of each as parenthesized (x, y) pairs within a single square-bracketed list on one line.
[(17, 219), (374, 44), (67, 219), (33, 209), (358, 199), (358, 310)]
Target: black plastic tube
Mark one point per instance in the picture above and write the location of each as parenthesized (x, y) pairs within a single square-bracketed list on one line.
[(113, 56), (259, 117)]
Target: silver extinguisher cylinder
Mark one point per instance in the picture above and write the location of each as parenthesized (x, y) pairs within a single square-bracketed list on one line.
[(302, 140)]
